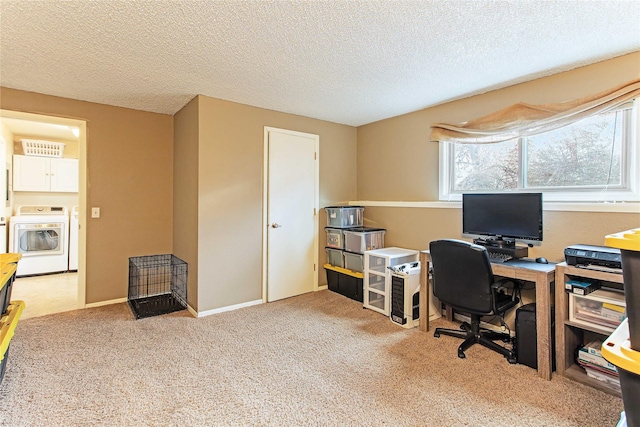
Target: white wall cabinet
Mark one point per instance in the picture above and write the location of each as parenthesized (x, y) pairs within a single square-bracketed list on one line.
[(53, 174), (377, 276)]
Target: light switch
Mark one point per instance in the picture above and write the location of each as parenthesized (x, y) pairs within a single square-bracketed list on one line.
[(95, 212)]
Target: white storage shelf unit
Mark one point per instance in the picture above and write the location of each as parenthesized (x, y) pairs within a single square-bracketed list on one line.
[(377, 276)]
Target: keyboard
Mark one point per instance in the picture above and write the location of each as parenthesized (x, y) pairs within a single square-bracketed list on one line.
[(499, 257)]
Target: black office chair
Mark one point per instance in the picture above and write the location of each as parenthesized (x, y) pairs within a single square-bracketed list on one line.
[(462, 279)]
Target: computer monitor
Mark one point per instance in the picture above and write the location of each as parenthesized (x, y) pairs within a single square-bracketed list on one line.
[(503, 217)]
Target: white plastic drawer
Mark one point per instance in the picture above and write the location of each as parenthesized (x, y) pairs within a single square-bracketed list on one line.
[(601, 309)]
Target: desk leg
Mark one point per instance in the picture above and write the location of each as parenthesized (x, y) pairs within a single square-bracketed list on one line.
[(543, 325), (424, 293)]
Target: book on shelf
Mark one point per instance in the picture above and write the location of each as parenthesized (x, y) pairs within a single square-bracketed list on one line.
[(594, 347), (613, 314), (608, 380), (596, 361), (614, 307), (596, 366)]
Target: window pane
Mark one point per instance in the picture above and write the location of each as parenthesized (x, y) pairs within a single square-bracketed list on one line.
[(486, 167), (587, 153)]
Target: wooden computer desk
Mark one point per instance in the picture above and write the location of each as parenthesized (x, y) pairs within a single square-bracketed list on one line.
[(543, 275)]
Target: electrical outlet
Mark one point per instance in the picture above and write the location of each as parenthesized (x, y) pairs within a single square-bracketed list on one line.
[(95, 212)]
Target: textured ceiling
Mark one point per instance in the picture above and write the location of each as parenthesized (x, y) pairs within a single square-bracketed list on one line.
[(351, 62)]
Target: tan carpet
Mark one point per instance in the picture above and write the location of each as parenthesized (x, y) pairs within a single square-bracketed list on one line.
[(319, 359)]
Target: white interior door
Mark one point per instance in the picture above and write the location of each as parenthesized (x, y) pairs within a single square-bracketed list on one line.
[(291, 212)]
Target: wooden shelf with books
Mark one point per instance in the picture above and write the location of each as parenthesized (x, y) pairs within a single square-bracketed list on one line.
[(581, 319)]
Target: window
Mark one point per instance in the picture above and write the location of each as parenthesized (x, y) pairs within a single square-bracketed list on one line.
[(595, 159)]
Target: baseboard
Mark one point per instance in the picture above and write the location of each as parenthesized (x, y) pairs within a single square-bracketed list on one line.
[(121, 300), (101, 303), (228, 308), (193, 312)]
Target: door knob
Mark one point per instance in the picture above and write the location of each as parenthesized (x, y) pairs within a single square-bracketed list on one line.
[(275, 225)]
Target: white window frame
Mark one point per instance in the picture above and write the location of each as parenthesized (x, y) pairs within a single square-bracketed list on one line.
[(630, 171)]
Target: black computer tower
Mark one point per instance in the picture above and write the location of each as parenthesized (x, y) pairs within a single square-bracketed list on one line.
[(526, 337)]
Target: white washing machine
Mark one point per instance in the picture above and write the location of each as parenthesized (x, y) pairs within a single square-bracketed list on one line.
[(74, 229), (41, 235)]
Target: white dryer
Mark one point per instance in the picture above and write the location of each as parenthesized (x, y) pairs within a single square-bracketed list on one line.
[(74, 229), (41, 235)]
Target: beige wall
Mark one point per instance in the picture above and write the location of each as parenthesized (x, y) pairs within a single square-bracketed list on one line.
[(192, 185), (230, 187), (185, 193), (129, 176), (396, 162), (414, 228)]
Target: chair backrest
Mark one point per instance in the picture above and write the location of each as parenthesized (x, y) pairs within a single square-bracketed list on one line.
[(462, 275)]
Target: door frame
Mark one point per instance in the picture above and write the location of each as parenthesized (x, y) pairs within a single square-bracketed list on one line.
[(82, 186), (265, 204)]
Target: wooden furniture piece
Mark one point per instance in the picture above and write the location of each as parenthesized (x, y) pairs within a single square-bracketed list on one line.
[(570, 335), (542, 275)]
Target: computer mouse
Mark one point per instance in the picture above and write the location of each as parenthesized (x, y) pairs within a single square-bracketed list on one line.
[(542, 260)]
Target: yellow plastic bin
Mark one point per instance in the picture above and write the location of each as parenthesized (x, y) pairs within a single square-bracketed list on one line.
[(8, 323), (629, 244), (617, 350), (345, 282), (622, 348)]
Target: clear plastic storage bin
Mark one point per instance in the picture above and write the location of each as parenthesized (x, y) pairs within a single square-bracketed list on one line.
[(344, 216), (354, 262), (363, 239), (335, 237), (334, 257)]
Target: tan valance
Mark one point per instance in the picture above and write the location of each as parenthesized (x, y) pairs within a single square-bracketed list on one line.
[(525, 119)]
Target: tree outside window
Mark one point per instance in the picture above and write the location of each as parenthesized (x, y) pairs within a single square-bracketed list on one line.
[(589, 155)]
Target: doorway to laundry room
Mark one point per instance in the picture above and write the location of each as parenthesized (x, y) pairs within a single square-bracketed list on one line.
[(43, 191)]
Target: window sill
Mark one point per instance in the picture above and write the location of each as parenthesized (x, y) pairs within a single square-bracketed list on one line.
[(618, 207)]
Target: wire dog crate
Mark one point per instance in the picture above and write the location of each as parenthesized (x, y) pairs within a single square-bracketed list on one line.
[(157, 285)]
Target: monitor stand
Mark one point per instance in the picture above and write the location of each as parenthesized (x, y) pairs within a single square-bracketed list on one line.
[(502, 246)]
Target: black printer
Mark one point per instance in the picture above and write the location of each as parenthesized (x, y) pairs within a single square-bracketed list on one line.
[(593, 255)]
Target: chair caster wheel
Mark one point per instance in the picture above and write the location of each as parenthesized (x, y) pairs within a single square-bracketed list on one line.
[(436, 334), (511, 358), (461, 355)]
